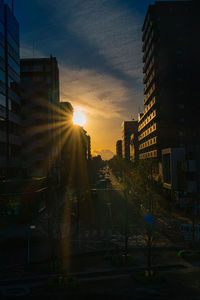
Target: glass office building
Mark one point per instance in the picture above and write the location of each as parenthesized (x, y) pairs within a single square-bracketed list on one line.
[(9, 96)]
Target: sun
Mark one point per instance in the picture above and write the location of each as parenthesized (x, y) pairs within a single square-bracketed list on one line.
[(79, 118)]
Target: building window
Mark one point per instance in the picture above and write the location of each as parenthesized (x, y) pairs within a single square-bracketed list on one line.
[(181, 120)]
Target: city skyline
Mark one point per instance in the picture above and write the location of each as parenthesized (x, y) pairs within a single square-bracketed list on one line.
[(98, 47)]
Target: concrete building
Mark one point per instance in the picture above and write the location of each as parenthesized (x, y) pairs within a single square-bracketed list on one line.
[(181, 173), (170, 118), (134, 147), (9, 93), (40, 110), (128, 127), (119, 148)]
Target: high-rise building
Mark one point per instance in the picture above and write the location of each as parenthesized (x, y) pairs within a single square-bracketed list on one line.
[(119, 148), (40, 114), (128, 127), (170, 47), (9, 97)]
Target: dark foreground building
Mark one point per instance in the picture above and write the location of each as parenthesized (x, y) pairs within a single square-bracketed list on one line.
[(9, 98), (169, 127), (40, 109), (170, 117)]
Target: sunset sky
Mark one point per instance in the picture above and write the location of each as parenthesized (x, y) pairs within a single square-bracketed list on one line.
[(98, 47)]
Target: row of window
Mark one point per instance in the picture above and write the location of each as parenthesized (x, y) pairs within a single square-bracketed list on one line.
[(149, 82), (148, 143), (152, 89), (147, 132), (146, 45), (13, 65), (147, 120), (149, 69), (150, 154)]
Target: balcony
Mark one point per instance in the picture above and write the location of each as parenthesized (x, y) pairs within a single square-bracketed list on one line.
[(147, 132), (147, 120), (147, 28), (147, 46), (148, 143), (150, 93), (149, 82), (148, 66), (148, 59), (148, 72), (149, 106)]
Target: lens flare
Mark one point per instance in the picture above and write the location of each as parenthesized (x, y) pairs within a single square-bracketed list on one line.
[(79, 118)]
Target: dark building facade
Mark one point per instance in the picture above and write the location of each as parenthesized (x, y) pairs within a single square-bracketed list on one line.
[(128, 128), (40, 114), (119, 148), (170, 118), (9, 93)]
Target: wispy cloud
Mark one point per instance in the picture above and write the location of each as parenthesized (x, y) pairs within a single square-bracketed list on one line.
[(114, 30), (101, 95), (98, 46)]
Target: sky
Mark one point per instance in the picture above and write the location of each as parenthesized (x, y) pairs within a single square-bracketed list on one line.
[(98, 47)]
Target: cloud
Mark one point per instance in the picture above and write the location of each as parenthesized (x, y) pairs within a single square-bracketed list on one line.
[(113, 29), (98, 47), (106, 154), (100, 95)]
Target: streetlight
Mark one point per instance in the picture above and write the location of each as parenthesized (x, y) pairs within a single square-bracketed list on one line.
[(31, 228)]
